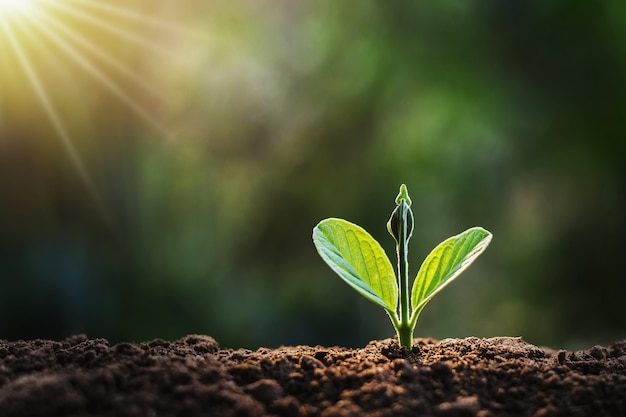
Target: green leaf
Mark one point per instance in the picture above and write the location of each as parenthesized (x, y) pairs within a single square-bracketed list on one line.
[(446, 262), (358, 259)]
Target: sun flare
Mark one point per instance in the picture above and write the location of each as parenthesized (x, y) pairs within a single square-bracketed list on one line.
[(15, 7), (56, 55)]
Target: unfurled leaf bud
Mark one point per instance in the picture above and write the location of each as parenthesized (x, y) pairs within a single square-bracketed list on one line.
[(401, 215), (410, 221), (393, 225), (403, 195)]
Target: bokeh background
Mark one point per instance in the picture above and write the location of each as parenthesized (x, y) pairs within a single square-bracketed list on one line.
[(162, 165)]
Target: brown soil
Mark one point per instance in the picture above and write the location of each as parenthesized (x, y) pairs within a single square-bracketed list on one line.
[(194, 377)]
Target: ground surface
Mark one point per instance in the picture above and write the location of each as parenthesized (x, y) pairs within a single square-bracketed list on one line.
[(194, 377)]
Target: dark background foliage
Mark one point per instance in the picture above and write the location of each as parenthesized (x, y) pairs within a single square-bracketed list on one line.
[(180, 194)]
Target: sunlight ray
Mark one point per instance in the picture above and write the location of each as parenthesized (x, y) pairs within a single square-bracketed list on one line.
[(62, 28), (95, 72), (48, 107), (140, 18), (15, 7), (113, 29)]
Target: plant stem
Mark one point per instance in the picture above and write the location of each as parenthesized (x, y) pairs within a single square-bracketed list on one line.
[(405, 333), (405, 336), (400, 226)]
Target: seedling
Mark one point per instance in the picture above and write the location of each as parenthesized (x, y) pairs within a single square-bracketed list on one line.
[(361, 262)]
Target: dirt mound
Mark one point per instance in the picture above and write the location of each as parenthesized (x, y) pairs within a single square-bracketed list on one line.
[(194, 377)]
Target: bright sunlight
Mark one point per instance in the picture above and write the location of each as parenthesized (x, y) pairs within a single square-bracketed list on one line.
[(15, 7), (53, 51)]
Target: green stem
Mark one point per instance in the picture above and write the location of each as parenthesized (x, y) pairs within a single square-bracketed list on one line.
[(400, 226), (405, 332), (405, 336)]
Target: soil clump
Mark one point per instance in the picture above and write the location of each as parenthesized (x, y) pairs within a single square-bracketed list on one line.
[(195, 377)]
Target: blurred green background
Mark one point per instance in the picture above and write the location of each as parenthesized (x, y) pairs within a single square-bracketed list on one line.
[(162, 165)]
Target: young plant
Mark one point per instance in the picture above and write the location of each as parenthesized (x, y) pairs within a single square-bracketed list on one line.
[(361, 262)]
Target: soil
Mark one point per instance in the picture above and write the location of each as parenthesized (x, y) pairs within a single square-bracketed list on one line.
[(194, 377)]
